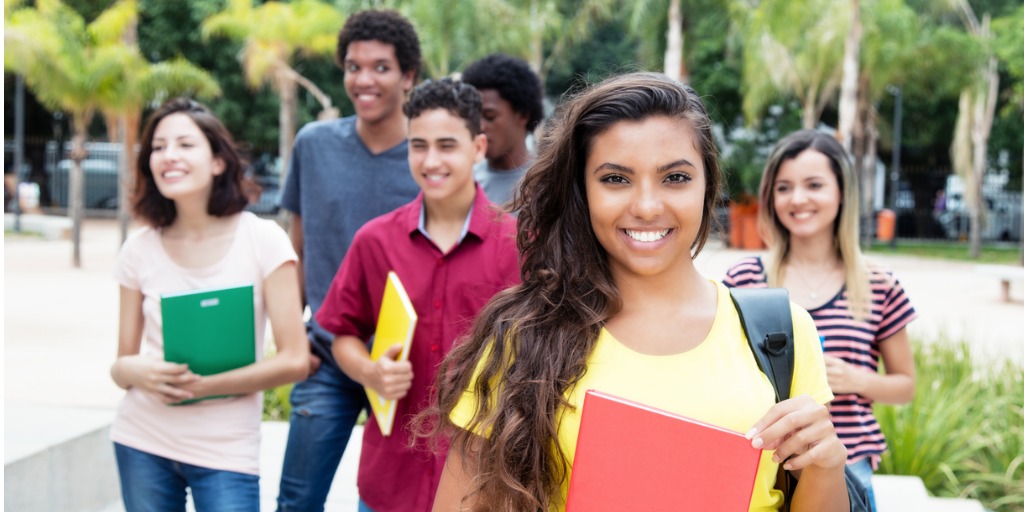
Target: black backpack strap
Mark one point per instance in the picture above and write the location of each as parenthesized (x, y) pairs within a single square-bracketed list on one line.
[(765, 317), (768, 324)]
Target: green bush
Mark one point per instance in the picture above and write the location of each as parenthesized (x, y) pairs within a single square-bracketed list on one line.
[(963, 434), (276, 406)]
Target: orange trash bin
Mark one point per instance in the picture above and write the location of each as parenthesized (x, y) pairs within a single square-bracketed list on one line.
[(886, 225)]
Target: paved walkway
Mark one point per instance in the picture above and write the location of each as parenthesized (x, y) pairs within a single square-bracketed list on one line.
[(60, 324)]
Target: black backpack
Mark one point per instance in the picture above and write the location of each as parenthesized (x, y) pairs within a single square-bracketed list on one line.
[(767, 322)]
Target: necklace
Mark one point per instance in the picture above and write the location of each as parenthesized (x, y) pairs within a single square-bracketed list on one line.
[(812, 290)]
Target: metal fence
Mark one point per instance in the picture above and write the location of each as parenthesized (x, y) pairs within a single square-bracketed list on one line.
[(935, 207)]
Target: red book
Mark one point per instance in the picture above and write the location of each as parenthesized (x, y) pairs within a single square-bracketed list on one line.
[(630, 456)]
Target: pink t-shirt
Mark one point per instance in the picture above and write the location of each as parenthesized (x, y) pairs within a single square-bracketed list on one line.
[(219, 434)]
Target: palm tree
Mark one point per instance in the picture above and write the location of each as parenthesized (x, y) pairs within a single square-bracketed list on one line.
[(81, 68), (274, 34), (538, 31), (122, 110), (790, 48), (645, 20), (887, 41), (851, 73), (51, 46), (974, 120)]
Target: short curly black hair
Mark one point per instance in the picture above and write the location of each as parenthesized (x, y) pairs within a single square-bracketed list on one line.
[(386, 26), (457, 97), (514, 81)]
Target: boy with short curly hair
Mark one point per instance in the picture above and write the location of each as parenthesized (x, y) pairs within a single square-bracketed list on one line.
[(342, 173)]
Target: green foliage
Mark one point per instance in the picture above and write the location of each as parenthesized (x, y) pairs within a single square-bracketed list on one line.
[(745, 151), (274, 33), (1009, 46), (276, 403), (169, 29), (790, 50), (963, 433), (600, 56)]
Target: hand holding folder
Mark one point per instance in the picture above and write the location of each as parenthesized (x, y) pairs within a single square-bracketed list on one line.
[(211, 330), (396, 324), (633, 457)]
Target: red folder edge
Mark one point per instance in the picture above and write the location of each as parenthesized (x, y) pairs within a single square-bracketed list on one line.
[(631, 456)]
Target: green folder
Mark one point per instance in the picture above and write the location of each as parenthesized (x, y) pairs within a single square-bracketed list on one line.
[(212, 330)]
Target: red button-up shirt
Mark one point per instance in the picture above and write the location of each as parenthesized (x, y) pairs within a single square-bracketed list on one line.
[(447, 291)]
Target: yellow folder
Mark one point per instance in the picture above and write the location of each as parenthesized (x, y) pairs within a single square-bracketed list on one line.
[(395, 324)]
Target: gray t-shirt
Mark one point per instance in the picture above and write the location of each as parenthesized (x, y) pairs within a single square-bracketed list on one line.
[(499, 185), (336, 184)]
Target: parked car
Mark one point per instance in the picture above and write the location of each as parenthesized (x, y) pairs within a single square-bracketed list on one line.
[(270, 191), (1002, 217), (100, 183)]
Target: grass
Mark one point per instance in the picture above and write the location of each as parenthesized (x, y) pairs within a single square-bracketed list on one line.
[(959, 251), (963, 434), (12, 234)]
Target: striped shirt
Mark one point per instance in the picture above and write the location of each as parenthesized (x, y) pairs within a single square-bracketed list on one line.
[(855, 342)]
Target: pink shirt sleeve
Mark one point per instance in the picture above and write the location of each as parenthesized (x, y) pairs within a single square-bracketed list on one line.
[(126, 271), (272, 246)]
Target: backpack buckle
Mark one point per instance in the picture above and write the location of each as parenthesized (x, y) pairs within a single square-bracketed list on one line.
[(776, 342)]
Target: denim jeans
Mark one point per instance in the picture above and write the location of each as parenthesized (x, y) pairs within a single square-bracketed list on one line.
[(363, 507), (150, 483), (862, 471), (325, 407)]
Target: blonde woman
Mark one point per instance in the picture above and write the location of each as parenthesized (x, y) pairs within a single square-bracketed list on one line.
[(809, 213)]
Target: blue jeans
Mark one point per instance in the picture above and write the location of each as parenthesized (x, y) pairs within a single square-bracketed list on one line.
[(150, 483), (862, 471), (325, 407), (363, 507)]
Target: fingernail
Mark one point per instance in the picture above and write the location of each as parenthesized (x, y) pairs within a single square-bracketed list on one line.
[(750, 433), (775, 458), (757, 442), (787, 466)]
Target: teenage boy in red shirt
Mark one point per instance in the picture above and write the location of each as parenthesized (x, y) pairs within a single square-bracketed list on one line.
[(452, 250)]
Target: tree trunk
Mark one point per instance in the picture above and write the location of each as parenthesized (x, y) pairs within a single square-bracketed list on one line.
[(861, 144), (984, 113), (327, 110), (128, 169), (809, 116), (76, 185), (851, 63), (129, 127), (674, 48), (288, 93), (536, 41)]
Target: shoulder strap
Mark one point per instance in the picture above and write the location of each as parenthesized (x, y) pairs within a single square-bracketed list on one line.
[(765, 317)]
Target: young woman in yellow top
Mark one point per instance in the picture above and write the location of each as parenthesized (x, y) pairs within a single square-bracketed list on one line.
[(611, 215)]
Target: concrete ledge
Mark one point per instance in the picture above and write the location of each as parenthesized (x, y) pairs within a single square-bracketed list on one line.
[(1004, 274), (898, 493), (49, 226), (58, 458)]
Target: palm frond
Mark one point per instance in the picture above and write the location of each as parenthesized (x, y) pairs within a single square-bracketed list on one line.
[(111, 24)]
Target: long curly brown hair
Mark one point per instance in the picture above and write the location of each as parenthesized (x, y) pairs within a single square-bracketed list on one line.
[(531, 343)]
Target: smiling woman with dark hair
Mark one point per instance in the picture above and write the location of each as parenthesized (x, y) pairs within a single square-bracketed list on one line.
[(611, 215), (189, 190)]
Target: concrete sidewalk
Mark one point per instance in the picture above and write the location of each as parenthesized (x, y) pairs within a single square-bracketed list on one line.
[(60, 328)]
